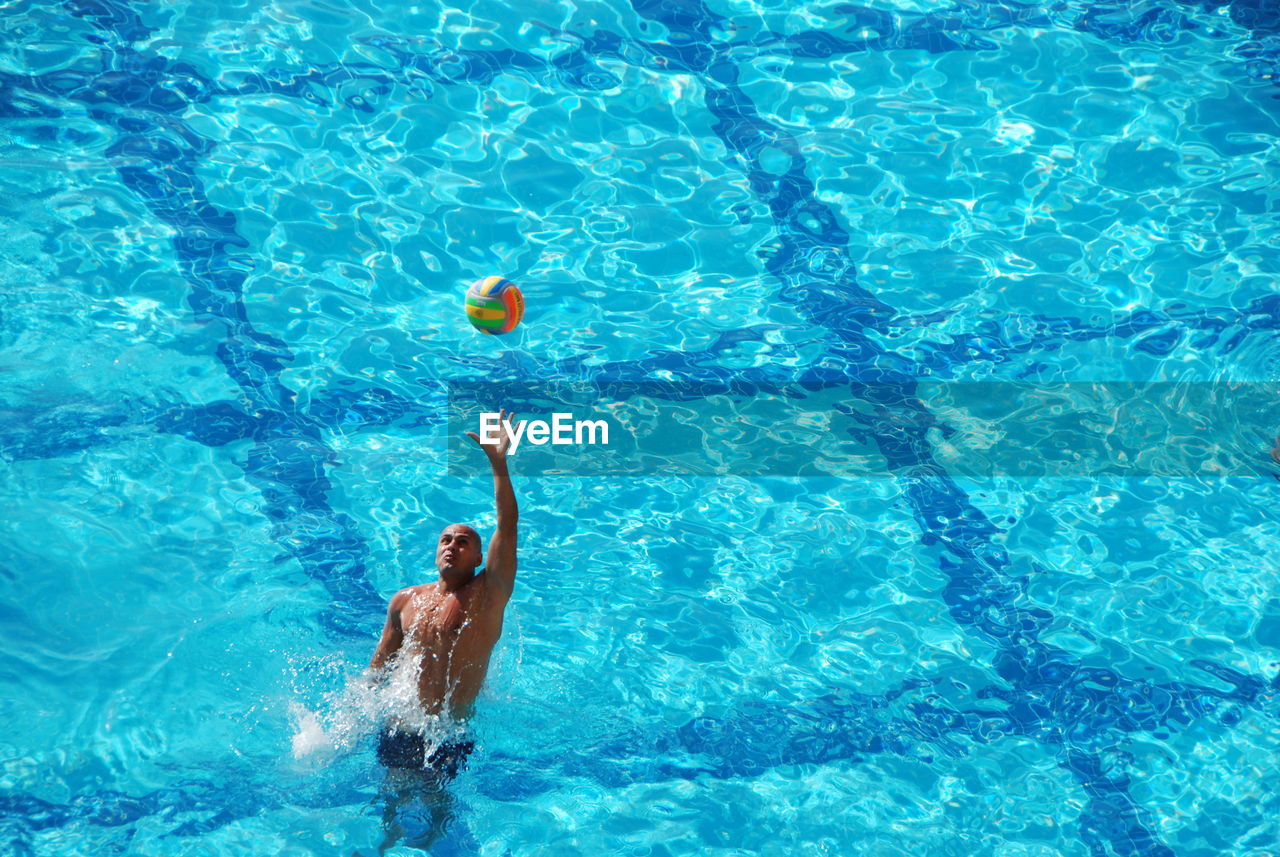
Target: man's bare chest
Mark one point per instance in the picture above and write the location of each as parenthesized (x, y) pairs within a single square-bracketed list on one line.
[(445, 618)]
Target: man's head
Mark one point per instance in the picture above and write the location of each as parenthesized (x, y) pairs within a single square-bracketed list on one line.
[(458, 552)]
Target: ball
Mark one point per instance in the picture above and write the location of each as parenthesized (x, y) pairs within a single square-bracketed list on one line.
[(494, 305)]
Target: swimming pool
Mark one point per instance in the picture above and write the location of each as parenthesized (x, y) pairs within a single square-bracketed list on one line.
[(236, 240)]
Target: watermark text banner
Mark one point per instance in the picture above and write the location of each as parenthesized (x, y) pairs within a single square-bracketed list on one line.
[(968, 429)]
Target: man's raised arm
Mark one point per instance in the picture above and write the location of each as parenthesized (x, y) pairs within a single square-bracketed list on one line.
[(501, 560)]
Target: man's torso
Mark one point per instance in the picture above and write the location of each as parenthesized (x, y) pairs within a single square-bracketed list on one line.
[(452, 635)]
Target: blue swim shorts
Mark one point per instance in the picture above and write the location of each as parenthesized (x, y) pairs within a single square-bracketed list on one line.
[(400, 749)]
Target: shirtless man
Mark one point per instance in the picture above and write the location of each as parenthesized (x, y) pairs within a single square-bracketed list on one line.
[(449, 626)]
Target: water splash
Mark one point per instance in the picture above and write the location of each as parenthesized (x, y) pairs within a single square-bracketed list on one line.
[(347, 719)]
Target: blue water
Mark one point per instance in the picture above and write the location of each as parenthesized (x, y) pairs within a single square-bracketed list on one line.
[(235, 243)]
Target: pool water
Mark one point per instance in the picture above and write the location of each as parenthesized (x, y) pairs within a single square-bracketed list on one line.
[(236, 237)]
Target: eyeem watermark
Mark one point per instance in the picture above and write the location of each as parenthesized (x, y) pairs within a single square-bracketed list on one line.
[(563, 430), (817, 424)]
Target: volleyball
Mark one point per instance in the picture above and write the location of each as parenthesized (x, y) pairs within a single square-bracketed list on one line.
[(494, 305)]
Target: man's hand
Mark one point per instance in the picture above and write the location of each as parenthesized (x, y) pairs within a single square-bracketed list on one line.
[(497, 451)]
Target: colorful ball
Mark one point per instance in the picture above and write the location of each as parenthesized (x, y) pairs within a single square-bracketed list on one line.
[(494, 305)]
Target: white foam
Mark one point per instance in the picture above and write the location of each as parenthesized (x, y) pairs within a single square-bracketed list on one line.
[(309, 737), (350, 716)]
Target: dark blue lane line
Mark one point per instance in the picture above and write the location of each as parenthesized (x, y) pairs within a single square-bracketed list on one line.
[(215, 805), (116, 19), (31, 434), (422, 65), (960, 27), (756, 737), (1156, 332), (1261, 54), (288, 460), (851, 727), (963, 25), (349, 406)]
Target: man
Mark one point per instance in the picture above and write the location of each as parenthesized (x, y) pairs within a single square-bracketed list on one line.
[(449, 627)]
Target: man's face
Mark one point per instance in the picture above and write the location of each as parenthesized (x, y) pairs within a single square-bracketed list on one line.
[(458, 550)]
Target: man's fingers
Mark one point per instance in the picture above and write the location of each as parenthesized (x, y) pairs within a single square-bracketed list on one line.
[(474, 437)]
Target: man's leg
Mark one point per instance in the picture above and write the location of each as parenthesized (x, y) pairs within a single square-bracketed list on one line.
[(419, 807)]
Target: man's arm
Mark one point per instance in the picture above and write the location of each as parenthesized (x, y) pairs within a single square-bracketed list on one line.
[(500, 564), (392, 633), (501, 561)]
